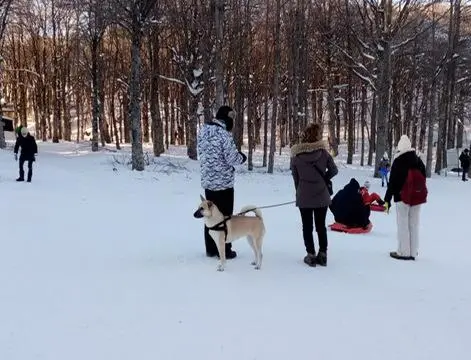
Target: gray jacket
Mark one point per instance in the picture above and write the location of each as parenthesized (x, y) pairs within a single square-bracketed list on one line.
[(218, 155), (311, 190)]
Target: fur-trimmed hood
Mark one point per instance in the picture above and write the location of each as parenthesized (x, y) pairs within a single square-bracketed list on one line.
[(308, 147)]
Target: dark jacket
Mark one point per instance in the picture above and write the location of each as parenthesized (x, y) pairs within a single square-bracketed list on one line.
[(28, 145), (465, 160), (399, 170), (311, 189), (348, 206)]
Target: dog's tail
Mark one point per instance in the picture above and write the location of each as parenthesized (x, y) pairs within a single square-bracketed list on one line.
[(251, 208)]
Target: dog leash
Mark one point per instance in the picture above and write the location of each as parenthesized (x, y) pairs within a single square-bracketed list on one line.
[(266, 207)]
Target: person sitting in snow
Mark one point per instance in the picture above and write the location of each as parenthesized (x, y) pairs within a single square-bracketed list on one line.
[(348, 206), (465, 161), (383, 169), (369, 199), (29, 151)]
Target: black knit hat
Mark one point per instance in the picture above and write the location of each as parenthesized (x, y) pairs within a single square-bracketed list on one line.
[(226, 114)]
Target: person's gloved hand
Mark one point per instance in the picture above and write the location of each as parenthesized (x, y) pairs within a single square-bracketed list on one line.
[(387, 206), (244, 157), (16, 157)]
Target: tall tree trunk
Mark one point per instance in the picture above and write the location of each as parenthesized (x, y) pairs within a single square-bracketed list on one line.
[(383, 87), (276, 87), (351, 120), (364, 109), (134, 101), (192, 129), (157, 125), (145, 116), (423, 118), (219, 51), (460, 119), (431, 121), (95, 93)]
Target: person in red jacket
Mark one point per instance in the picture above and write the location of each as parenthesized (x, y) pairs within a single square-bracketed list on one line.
[(368, 198)]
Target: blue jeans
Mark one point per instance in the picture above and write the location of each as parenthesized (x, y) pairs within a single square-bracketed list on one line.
[(384, 176)]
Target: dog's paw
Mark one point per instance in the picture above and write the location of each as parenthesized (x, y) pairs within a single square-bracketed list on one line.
[(253, 263), (258, 267), (220, 267)]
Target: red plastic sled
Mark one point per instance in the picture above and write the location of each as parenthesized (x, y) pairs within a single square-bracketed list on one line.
[(375, 207), (343, 228)]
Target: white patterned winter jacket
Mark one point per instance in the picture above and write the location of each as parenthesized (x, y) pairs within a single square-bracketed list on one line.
[(218, 155)]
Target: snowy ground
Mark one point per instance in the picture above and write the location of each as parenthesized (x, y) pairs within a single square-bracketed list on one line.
[(97, 264)]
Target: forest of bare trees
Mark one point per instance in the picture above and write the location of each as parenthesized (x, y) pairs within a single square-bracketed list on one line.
[(148, 71)]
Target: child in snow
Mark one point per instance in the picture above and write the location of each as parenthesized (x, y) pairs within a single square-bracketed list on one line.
[(348, 207), (369, 199), (465, 162), (384, 169), (29, 151)]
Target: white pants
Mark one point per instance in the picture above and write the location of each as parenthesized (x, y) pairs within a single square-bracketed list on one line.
[(407, 229)]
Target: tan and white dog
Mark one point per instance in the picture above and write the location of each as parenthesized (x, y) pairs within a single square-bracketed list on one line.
[(227, 229)]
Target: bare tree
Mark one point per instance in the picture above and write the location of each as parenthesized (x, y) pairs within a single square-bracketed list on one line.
[(135, 16), (97, 20), (219, 60), (5, 6), (276, 87)]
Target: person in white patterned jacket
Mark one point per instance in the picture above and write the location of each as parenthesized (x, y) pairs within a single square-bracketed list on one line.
[(218, 155)]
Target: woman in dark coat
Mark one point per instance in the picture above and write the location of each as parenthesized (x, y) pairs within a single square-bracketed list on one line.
[(311, 166), (349, 208)]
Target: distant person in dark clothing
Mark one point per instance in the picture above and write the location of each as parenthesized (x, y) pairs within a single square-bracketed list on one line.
[(29, 151), (348, 206), (465, 162)]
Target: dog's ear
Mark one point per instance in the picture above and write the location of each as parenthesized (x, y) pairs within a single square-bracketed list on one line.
[(202, 198), (210, 204)]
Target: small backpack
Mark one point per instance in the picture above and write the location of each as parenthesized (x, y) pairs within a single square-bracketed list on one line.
[(414, 191)]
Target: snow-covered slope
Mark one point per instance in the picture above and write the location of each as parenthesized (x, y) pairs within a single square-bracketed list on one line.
[(99, 264)]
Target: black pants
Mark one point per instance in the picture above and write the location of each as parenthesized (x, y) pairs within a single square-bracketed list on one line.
[(308, 227), (224, 200), (465, 171), (30, 168)]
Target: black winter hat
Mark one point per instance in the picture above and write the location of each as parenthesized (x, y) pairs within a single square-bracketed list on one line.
[(465, 150), (226, 114)]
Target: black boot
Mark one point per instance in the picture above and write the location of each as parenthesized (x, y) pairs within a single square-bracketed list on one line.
[(310, 259), (20, 179), (230, 254), (396, 256), (321, 258)]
